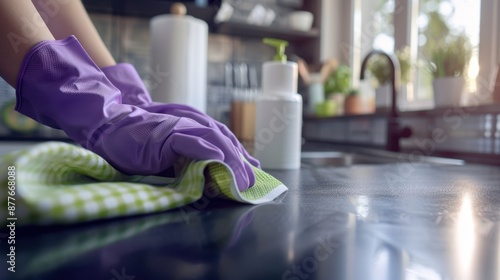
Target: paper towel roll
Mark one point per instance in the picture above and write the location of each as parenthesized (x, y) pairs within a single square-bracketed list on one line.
[(179, 49)]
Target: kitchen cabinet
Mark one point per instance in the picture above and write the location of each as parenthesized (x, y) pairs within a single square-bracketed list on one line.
[(305, 44)]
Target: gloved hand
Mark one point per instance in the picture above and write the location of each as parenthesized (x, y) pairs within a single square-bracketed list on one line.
[(60, 86), (134, 92)]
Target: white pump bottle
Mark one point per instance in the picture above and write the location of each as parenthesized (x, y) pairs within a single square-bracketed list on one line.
[(278, 125)]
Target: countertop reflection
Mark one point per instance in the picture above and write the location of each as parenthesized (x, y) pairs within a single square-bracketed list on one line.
[(392, 221)]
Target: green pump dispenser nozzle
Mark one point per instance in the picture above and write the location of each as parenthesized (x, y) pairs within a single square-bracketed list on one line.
[(280, 46)]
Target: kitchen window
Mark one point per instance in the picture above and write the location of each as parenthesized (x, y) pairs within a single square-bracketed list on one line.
[(438, 20), (377, 25), (420, 24)]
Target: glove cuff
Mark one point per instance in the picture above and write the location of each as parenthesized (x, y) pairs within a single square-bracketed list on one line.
[(52, 74)]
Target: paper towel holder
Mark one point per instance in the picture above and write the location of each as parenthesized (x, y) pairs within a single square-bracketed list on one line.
[(179, 46), (178, 9)]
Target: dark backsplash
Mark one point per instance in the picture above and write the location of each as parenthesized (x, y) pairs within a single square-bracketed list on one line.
[(461, 132)]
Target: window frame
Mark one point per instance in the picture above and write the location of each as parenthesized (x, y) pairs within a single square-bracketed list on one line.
[(489, 48)]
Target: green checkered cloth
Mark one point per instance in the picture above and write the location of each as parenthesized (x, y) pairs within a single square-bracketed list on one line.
[(62, 183)]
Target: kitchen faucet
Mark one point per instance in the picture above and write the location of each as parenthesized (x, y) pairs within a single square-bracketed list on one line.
[(394, 129)]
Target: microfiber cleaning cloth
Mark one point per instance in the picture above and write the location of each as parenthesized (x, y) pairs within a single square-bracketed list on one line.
[(62, 183)]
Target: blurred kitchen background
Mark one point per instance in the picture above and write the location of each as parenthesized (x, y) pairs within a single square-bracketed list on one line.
[(339, 33)]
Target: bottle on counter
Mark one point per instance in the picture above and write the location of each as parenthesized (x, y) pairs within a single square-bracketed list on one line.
[(278, 123), (496, 88), (316, 93)]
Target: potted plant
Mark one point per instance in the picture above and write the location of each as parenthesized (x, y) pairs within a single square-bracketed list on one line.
[(353, 103), (380, 70), (449, 65), (337, 86)]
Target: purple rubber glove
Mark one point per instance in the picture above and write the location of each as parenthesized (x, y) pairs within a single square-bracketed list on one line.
[(134, 92), (60, 86)]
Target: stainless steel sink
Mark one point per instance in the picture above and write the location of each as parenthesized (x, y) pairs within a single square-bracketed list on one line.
[(335, 158)]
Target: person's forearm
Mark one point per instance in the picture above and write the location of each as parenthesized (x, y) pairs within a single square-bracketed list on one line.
[(70, 18), (21, 27)]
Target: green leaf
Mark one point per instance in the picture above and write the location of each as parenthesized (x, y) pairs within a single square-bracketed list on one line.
[(339, 80)]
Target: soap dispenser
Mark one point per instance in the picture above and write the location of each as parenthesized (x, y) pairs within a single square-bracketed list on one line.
[(278, 110)]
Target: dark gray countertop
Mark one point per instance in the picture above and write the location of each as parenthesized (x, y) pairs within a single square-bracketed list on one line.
[(393, 221), (473, 110)]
